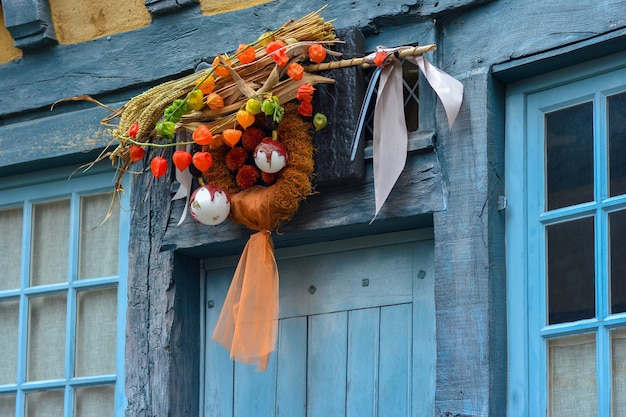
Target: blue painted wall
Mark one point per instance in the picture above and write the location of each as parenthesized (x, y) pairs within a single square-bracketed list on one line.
[(516, 38)]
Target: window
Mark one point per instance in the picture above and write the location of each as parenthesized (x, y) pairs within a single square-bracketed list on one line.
[(62, 298), (566, 222)]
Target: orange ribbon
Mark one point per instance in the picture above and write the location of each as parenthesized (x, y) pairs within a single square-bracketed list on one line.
[(248, 323)]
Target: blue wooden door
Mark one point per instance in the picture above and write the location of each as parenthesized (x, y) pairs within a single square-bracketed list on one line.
[(356, 334)]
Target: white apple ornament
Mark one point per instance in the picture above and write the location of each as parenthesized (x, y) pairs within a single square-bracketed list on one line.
[(209, 205), (270, 156)]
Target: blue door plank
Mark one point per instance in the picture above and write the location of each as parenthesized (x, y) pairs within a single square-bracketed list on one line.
[(218, 383), (394, 383), (363, 339), (348, 280), (291, 372), (255, 392), (424, 331), (326, 383)]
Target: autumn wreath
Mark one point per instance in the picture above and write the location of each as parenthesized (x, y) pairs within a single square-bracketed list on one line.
[(247, 112), (281, 193)]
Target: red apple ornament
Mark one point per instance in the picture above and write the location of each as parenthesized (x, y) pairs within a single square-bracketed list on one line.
[(209, 205), (270, 156)]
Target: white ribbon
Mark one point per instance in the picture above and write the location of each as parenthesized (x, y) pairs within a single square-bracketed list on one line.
[(448, 89), (184, 178), (390, 134)]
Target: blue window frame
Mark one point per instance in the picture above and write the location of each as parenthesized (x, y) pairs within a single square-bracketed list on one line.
[(566, 273), (62, 295)]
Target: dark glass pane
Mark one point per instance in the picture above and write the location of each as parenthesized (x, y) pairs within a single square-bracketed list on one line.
[(617, 236), (569, 156), (616, 107), (571, 271)]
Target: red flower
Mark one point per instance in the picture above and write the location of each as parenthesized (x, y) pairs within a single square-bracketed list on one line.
[(306, 109), (252, 137), (247, 176), (236, 158), (305, 92), (268, 178)]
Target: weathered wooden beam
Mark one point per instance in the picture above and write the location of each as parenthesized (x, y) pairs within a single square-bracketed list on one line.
[(29, 22), (159, 7), (329, 213), (162, 346), (341, 103)]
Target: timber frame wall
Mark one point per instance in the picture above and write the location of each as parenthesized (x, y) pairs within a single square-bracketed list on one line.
[(452, 181)]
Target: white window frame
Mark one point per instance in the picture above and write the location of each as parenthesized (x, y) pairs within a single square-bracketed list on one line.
[(26, 190)]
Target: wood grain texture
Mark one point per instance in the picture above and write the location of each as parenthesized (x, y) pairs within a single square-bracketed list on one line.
[(469, 292), (29, 22), (418, 192), (162, 348), (174, 42), (62, 139), (341, 103)]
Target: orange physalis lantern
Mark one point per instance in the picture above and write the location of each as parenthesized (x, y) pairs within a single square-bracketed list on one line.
[(218, 67), (206, 84), (202, 135), (317, 53), (245, 53), (245, 118), (295, 71), (231, 136), (305, 92), (214, 101), (181, 159)]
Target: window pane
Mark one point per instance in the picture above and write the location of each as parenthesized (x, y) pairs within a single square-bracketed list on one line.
[(11, 247), (44, 404), (569, 156), (7, 405), (617, 233), (94, 401), (46, 337), (572, 383), (98, 242), (618, 385), (50, 247), (9, 313), (616, 107), (95, 332), (571, 271)]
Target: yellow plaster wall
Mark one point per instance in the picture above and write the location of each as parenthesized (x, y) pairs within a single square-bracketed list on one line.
[(78, 20), (222, 6), (8, 52)]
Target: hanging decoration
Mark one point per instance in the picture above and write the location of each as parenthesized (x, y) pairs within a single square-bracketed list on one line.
[(242, 127)]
